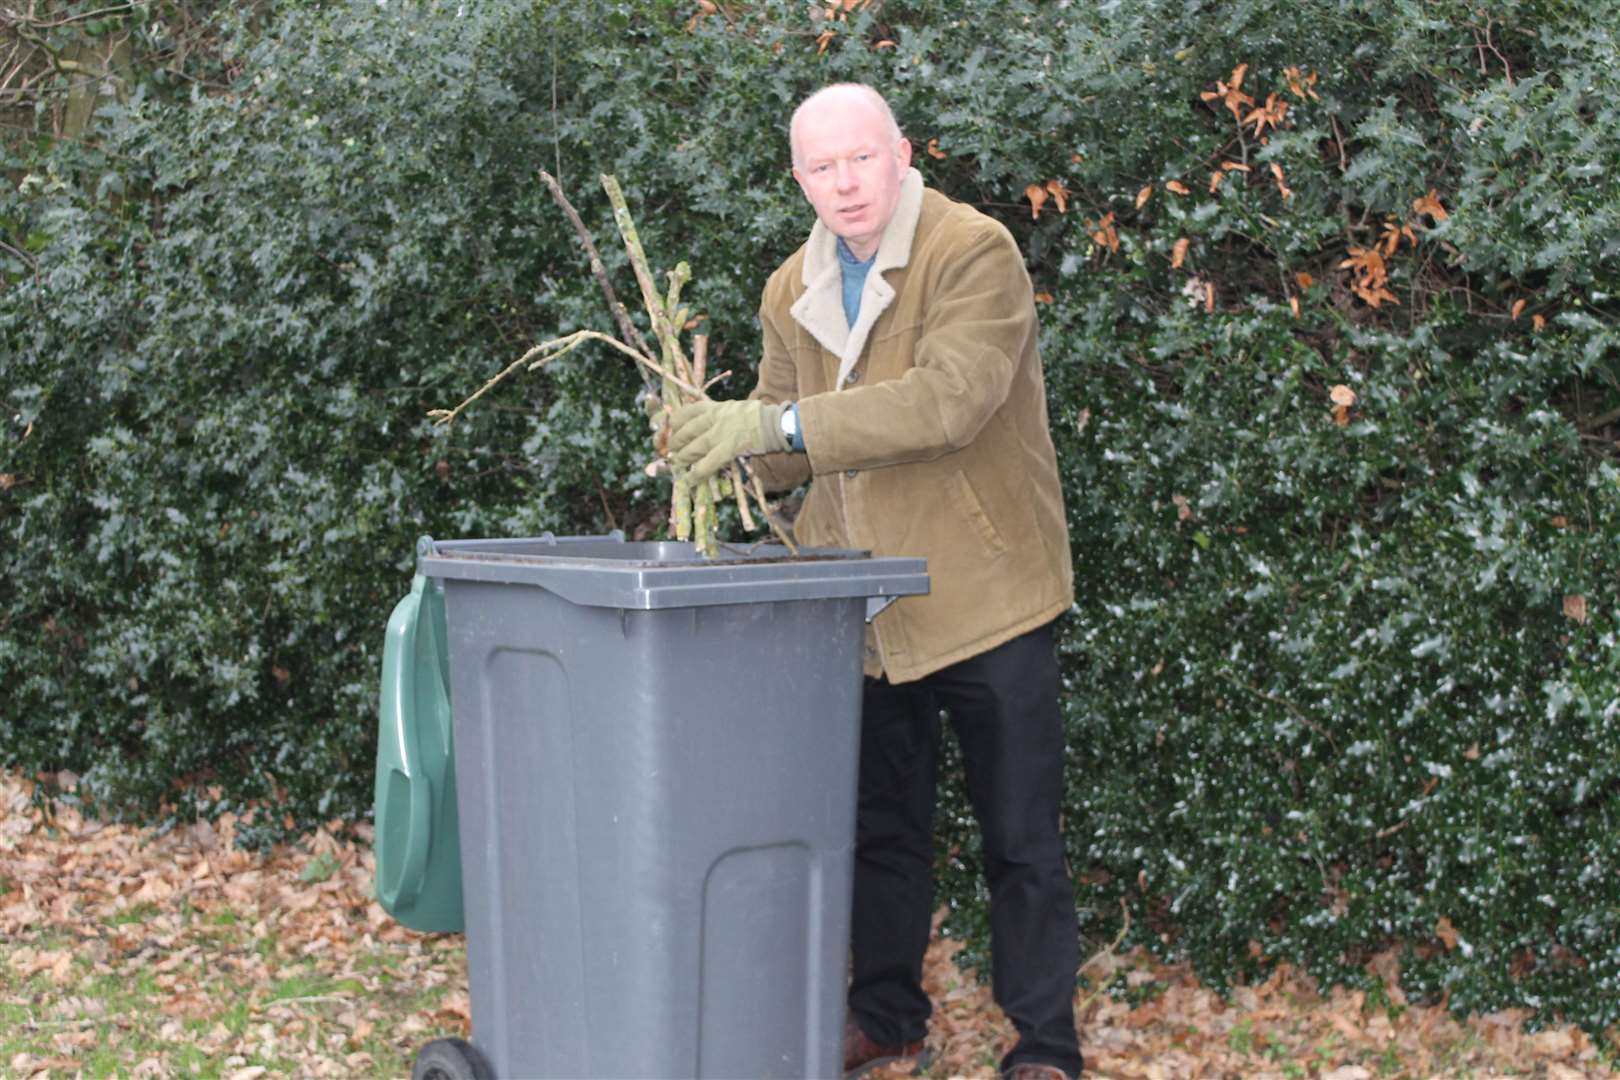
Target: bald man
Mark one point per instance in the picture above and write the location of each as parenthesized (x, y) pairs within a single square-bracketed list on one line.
[(901, 377)]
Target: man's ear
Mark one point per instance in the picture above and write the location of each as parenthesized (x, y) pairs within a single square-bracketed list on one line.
[(902, 151), (799, 179)]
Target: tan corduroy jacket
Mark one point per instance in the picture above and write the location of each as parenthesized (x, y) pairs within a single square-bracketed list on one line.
[(925, 427)]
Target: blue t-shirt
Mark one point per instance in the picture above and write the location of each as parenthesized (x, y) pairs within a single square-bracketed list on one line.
[(854, 271)]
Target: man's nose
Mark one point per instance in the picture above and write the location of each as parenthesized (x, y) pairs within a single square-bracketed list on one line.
[(844, 176)]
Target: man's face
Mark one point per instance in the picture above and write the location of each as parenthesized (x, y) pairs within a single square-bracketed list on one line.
[(850, 167)]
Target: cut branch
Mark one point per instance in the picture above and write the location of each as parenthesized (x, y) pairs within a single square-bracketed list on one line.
[(692, 513), (621, 315)]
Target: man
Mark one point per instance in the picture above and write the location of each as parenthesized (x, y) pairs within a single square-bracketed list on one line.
[(901, 376)]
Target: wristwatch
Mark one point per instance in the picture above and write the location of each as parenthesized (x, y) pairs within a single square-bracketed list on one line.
[(790, 426)]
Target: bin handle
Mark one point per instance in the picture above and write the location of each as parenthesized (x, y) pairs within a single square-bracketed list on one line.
[(400, 724), (418, 835)]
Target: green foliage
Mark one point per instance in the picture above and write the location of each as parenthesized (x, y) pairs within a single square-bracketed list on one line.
[(1329, 683)]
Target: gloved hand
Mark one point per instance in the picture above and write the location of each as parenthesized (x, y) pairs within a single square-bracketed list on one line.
[(706, 435)]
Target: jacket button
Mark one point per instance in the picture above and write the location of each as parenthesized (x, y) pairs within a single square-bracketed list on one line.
[(851, 473), (851, 378)]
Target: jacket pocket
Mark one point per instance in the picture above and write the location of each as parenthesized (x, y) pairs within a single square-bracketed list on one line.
[(968, 507)]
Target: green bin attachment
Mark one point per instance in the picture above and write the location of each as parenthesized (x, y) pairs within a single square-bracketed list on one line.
[(418, 846)]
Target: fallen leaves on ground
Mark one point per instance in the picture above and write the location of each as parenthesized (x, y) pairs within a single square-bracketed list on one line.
[(1154, 1021), (283, 964)]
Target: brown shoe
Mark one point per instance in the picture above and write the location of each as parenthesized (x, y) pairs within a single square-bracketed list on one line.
[(862, 1055), (1032, 1071)]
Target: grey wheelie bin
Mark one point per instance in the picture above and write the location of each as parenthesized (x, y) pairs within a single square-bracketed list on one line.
[(654, 763)]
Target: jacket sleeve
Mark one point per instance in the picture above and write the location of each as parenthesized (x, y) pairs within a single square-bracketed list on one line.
[(778, 382), (978, 320)]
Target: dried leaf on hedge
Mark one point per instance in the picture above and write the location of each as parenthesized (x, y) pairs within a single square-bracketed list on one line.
[(1430, 204), (1060, 195), (1036, 194)]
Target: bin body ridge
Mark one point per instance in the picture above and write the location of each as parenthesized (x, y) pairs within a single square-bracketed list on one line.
[(657, 818)]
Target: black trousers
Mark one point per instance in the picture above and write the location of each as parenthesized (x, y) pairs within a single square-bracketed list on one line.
[(1003, 705)]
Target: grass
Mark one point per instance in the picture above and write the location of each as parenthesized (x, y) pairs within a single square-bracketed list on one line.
[(113, 1012)]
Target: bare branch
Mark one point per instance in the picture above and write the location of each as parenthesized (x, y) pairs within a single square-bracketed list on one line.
[(544, 353), (627, 329), (67, 20)]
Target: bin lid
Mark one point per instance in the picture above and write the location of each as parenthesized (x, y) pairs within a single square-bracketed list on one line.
[(609, 571)]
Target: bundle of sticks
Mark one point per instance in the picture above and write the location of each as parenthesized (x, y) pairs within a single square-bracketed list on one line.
[(672, 379)]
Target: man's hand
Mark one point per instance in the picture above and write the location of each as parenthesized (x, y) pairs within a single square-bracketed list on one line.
[(706, 435)]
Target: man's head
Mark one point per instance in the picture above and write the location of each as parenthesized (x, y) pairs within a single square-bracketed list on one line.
[(849, 159)]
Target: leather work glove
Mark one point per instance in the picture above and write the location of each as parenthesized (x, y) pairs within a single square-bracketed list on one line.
[(706, 435)]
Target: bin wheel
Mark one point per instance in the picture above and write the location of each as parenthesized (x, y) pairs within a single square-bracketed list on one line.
[(450, 1059)]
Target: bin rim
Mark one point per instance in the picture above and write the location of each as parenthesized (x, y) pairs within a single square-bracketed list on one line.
[(609, 571)]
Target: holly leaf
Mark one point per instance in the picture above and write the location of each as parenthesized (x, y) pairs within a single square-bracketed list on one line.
[(1342, 397), (1430, 204), (1268, 115), (1366, 262), (1103, 232), (1231, 92), (1300, 84), (1282, 185), (1036, 194)]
